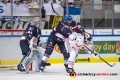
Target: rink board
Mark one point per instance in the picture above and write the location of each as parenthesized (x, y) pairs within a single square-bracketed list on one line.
[(60, 60), (105, 45)]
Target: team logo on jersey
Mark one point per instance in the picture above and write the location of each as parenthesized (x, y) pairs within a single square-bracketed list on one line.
[(57, 49), (118, 48)]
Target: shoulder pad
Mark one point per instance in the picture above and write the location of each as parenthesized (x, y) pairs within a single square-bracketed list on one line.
[(30, 27)]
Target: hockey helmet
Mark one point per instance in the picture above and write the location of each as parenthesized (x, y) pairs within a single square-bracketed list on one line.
[(36, 21), (87, 36), (67, 17)]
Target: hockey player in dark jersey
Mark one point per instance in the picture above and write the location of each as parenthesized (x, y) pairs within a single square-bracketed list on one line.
[(57, 36), (29, 42)]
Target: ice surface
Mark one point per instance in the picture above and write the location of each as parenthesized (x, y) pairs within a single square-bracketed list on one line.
[(57, 72)]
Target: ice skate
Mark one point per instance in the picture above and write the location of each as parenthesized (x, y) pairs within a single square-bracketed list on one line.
[(66, 68), (22, 69), (23, 72), (69, 71), (42, 69)]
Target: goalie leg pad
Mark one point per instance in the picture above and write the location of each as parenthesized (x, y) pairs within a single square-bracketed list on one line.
[(37, 60), (28, 59)]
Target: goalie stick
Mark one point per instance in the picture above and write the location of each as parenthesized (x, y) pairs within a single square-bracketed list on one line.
[(101, 58)]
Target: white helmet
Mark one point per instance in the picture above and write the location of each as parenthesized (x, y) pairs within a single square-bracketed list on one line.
[(36, 21)]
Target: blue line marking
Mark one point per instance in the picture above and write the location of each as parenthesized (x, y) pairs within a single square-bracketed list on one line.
[(111, 35)]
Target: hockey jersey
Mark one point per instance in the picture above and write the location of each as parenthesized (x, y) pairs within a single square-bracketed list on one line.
[(31, 31), (61, 32)]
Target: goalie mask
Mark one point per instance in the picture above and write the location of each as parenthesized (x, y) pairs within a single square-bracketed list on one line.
[(36, 21)]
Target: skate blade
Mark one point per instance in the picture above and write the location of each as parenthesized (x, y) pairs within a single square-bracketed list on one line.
[(37, 70), (22, 72), (41, 71)]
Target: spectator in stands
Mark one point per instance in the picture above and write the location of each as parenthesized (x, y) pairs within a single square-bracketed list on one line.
[(34, 4), (54, 1), (17, 2), (26, 1), (5, 1), (70, 2), (46, 1)]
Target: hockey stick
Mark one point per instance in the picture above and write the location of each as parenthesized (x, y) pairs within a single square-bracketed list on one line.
[(101, 58)]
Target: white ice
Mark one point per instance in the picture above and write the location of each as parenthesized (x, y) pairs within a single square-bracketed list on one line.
[(57, 72)]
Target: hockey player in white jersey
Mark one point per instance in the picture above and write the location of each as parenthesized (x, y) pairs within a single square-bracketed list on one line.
[(74, 44)]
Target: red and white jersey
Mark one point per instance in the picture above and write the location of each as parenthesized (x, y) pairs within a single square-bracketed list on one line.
[(74, 42)]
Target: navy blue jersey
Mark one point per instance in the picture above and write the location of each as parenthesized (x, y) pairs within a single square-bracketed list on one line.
[(61, 32), (31, 31)]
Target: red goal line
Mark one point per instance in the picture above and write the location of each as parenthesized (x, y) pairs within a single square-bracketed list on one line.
[(9, 30)]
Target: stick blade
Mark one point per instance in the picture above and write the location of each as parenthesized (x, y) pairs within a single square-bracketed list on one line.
[(113, 64)]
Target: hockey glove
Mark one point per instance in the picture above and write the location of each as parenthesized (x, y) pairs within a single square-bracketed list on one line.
[(96, 55), (76, 28)]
